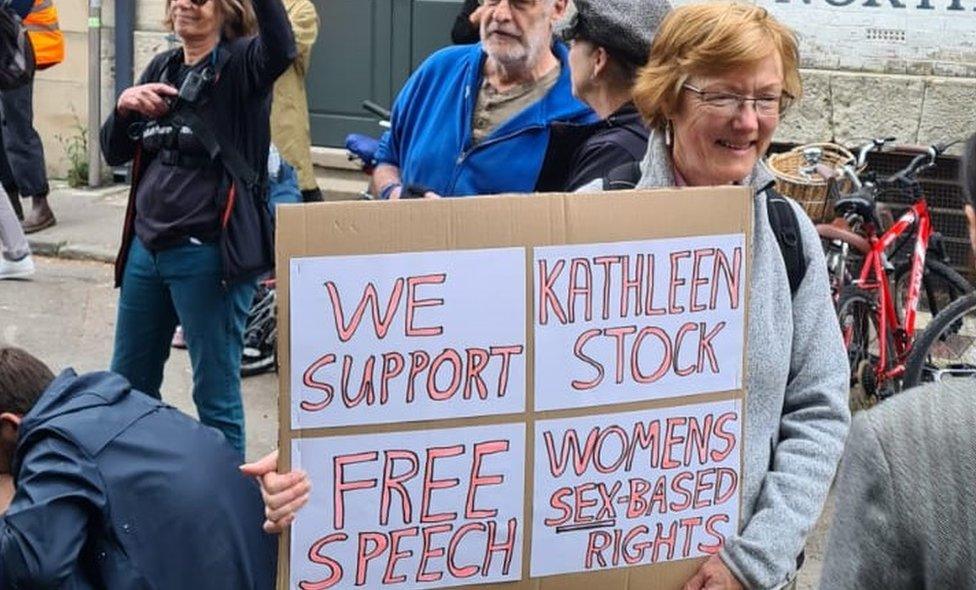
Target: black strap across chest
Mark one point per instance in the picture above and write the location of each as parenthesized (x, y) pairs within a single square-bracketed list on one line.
[(782, 219)]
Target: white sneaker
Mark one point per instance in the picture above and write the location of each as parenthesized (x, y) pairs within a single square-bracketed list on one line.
[(16, 269)]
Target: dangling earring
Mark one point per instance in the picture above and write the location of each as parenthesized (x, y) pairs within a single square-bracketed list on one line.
[(668, 127)]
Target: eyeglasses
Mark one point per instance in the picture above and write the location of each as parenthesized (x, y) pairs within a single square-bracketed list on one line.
[(729, 103), (520, 5)]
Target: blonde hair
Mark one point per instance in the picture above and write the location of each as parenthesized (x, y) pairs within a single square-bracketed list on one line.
[(709, 39), (237, 16)]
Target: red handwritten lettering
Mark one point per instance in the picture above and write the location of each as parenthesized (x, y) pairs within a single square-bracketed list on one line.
[(316, 556), (547, 296), (394, 483), (369, 298), (341, 486), (580, 285), (422, 574), (364, 555), (413, 304), (309, 381), (478, 480), (431, 484)]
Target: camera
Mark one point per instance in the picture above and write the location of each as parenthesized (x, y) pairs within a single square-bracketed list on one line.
[(192, 88), (193, 85)]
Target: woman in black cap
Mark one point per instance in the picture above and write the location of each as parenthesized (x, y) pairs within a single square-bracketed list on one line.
[(609, 42)]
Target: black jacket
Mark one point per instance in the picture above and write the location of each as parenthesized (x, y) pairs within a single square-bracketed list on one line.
[(116, 490), (238, 109), (578, 154)]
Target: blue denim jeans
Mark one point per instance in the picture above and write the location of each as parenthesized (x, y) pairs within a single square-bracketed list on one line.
[(182, 285)]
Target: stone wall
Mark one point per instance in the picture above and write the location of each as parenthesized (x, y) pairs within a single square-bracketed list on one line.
[(905, 68), (61, 92), (848, 107), (150, 36)]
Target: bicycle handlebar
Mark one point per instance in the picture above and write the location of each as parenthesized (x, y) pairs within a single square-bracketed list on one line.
[(376, 110), (875, 144), (927, 155), (904, 179)]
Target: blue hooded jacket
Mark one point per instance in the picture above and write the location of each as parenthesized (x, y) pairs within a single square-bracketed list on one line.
[(430, 135), (117, 490)]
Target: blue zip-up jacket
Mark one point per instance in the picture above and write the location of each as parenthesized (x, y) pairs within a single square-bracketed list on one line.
[(116, 490), (430, 135)]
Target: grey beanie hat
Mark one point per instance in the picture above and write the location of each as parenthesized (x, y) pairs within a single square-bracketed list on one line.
[(624, 27)]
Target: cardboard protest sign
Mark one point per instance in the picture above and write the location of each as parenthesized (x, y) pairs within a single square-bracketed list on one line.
[(621, 489), (645, 326), (403, 496), (515, 392), (387, 356)]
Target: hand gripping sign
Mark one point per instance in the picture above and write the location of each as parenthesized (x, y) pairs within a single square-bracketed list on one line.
[(513, 392)]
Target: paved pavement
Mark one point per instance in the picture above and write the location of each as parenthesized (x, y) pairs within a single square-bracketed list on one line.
[(67, 315), (89, 223)]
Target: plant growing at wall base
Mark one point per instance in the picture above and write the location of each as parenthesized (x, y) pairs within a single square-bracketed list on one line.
[(75, 146)]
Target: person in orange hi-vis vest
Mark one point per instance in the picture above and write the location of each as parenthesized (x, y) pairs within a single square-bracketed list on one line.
[(45, 34), (22, 168)]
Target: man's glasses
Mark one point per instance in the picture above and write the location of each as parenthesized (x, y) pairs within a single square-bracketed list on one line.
[(729, 103), (520, 5)]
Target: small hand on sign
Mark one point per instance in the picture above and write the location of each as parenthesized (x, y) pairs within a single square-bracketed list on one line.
[(283, 493), (713, 575)]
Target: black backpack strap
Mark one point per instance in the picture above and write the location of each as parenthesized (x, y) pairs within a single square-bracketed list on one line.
[(622, 177), (786, 227), (232, 159)]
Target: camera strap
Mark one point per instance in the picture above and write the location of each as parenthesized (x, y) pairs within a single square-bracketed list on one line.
[(186, 115), (232, 159)]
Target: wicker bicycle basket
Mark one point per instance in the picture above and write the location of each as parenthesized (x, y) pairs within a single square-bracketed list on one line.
[(809, 190)]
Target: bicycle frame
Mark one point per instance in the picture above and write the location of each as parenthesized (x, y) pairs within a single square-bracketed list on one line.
[(874, 277)]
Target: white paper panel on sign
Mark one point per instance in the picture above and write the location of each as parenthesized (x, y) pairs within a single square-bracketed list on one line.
[(400, 337), (635, 321), (429, 509), (637, 488)]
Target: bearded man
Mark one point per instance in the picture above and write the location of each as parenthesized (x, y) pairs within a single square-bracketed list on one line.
[(475, 119)]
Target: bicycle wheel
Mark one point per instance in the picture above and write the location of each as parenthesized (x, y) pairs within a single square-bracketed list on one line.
[(941, 285), (857, 314), (260, 353), (947, 348)]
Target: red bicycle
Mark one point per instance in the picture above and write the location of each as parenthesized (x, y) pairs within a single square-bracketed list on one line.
[(879, 306)]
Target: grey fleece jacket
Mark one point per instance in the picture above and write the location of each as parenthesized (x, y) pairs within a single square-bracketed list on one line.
[(906, 495), (797, 388)]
